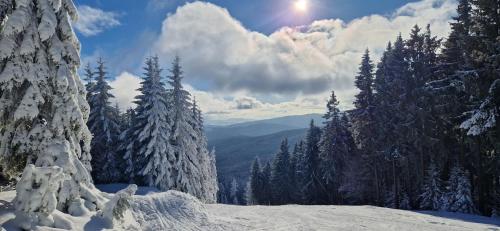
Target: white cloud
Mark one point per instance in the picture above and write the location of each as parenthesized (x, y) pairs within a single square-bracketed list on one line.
[(217, 49), (291, 71), (125, 88), (92, 21)]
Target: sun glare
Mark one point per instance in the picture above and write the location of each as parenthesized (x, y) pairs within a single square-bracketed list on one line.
[(300, 5)]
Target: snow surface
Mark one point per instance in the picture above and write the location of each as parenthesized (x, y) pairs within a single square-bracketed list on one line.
[(174, 210)]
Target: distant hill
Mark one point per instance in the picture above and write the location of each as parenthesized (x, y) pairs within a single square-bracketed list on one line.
[(235, 155), (237, 145), (261, 127)]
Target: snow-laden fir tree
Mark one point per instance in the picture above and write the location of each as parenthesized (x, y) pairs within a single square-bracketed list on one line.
[(432, 192), (254, 187), (207, 166), (150, 158), (88, 77), (266, 194), (363, 115), (336, 145), (310, 172), (222, 194), (460, 194), (233, 192), (280, 175), (104, 125), (295, 159), (194, 171), (44, 111)]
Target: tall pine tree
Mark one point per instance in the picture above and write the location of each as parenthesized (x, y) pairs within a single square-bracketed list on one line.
[(280, 175), (148, 152), (105, 128)]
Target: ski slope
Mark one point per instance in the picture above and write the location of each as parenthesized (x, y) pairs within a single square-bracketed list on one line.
[(301, 218), (174, 210)]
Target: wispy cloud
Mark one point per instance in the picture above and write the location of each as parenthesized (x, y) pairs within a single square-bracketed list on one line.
[(158, 5), (92, 21)]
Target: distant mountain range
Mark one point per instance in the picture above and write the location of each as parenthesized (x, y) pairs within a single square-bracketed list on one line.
[(261, 127), (237, 145)]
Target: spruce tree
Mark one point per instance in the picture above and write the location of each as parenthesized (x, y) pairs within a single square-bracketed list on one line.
[(363, 115), (233, 192), (336, 145), (44, 110), (266, 185), (148, 153), (460, 192), (195, 168), (311, 177), (295, 157), (89, 80), (104, 125), (254, 188), (432, 191), (280, 175)]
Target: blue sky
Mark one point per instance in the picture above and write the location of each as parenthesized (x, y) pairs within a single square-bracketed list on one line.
[(250, 59), (140, 20)]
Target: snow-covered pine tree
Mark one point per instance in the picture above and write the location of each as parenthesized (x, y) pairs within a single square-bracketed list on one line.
[(89, 78), (148, 153), (336, 145), (207, 166), (266, 195), (460, 192), (254, 187), (295, 157), (363, 115), (44, 110), (280, 175), (311, 177), (104, 125), (222, 194), (432, 191), (233, 192), (194, 167)]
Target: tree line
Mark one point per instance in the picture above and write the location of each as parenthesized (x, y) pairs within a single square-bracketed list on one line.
[(422, 134), (159, 143)]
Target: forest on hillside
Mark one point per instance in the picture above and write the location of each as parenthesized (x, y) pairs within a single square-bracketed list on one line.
[(422, 135)]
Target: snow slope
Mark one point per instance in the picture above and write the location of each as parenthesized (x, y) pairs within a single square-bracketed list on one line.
[(178, 211)]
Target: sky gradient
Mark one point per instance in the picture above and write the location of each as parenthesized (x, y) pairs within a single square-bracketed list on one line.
[(250, 59)]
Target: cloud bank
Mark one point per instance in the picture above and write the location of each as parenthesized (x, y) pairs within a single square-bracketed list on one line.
[(92, 21), (246, 74)]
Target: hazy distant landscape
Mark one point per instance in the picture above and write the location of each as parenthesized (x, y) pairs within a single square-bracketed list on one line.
[(238, 144)]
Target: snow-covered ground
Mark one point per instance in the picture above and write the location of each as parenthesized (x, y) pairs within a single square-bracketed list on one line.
[(178, 211)]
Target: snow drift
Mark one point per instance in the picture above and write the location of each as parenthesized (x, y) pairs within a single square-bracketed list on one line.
[(178, 211)]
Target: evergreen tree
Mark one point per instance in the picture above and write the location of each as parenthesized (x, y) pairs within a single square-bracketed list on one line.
[(335, 146), (254, 188), (363, 115), (266, 185), (222, 194), (44, 110), (104, 125), (89, 80), (233, 192), (311, 177), (280, 175), (295, 160), (432, 191), (461, 194), (147, 151), (195, 171)]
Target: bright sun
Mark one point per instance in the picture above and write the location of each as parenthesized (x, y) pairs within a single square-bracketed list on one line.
[(300, 5)]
